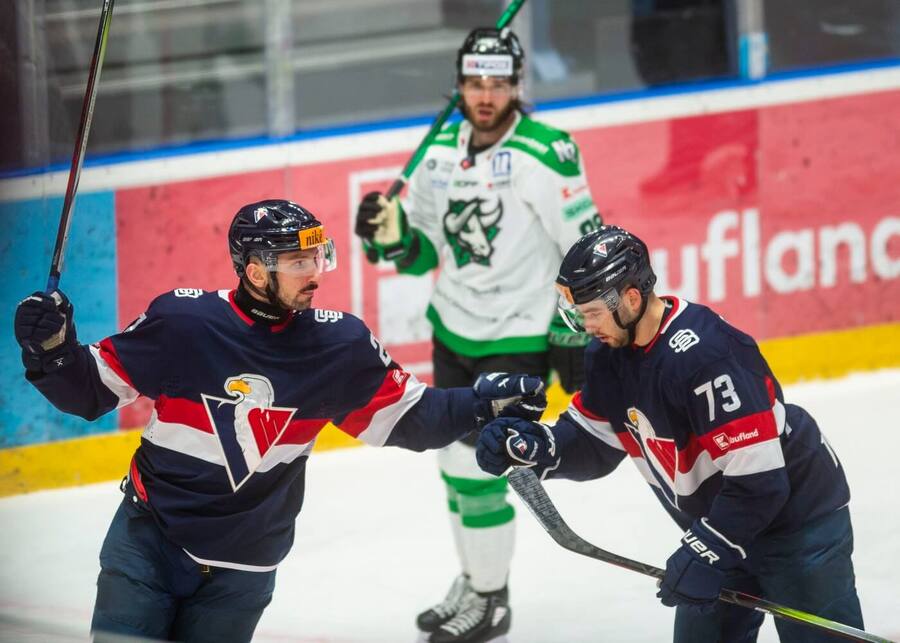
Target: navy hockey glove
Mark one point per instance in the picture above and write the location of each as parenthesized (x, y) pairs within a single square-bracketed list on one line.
[(513, 442), (510, 395), (45, 330), (566, 354), (696, 571)]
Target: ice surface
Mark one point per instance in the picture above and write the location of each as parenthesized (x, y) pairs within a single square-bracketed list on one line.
[(373, 544)]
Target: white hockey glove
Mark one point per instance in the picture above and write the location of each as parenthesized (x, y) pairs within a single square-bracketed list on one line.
[(383, 224)]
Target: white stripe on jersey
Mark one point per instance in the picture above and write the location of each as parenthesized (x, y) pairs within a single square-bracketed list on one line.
[(119, 387), (284, 454), (756, 458), (184, 439), (600, 429), (385, 419)]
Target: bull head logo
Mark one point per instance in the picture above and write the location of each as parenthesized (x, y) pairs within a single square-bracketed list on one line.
[(471, 230)]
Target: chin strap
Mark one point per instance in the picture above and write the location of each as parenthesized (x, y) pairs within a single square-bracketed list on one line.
[(631, 327)]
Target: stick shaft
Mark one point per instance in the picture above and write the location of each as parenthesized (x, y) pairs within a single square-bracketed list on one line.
[(84, 128), (526, 484)]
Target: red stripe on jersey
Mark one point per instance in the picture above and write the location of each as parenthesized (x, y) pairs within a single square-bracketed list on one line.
[(629, 444), (390, 391), (109, 355), (740, 433), (240, 313), (770, 388), (302, 430), (135, 476), (687, 456), (177, 410), (667, 315), (579, 404)]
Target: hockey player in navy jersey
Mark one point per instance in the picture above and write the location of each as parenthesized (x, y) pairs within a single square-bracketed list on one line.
[(242, 382), (761, 495)]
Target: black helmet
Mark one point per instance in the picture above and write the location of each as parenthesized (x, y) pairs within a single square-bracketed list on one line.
[(601, 265), (490, 52), (267, 228)]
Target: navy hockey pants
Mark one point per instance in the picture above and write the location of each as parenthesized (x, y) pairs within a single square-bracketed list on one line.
[(809, 570), (149, 587)]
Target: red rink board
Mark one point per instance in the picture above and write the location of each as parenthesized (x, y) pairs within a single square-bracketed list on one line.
[(785, 219)]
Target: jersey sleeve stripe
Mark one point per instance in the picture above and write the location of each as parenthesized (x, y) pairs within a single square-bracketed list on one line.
[(756, 458), (112, 374), (578, 403), (599, 428), (741, 433), (373, 423)]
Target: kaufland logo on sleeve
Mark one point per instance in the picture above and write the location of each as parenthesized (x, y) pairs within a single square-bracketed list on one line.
[(487, 65), (725, 442), (246, 423)]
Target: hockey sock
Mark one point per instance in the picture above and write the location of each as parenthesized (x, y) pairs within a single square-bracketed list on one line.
[(487, 532)]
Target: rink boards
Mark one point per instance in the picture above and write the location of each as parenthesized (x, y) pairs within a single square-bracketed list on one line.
[(778, 204)]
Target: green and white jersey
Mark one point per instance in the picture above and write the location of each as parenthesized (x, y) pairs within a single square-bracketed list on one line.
[(499, 224)]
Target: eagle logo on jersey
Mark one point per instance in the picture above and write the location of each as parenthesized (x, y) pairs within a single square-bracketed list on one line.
[(470, 228), (660, 453), (246, 423)]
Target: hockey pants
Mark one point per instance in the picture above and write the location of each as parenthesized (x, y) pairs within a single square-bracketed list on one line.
[(149, 587)]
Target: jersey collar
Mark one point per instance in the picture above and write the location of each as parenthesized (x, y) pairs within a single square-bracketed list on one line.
[(248, 320), (677, 306)]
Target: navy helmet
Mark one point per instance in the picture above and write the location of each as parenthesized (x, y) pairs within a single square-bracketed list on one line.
[(601, 265), (268, 228), (488, 51)]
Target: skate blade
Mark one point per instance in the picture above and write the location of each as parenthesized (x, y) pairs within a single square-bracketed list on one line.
[(423, 638)]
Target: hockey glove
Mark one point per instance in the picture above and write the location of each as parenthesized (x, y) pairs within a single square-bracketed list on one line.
[(513, 442), (697, 570), (508, 394), (382, 224), (566, 354), (45, 330)]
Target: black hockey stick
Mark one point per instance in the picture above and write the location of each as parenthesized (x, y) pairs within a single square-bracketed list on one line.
[(84, 128), (531, 491), (416, 158)]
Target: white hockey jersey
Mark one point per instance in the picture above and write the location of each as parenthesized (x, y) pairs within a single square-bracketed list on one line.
[(499, 222)]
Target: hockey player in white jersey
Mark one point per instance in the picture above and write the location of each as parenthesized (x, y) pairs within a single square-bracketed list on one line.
[(494, 202)]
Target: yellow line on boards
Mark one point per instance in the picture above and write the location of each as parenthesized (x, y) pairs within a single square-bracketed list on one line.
[(103, 457)]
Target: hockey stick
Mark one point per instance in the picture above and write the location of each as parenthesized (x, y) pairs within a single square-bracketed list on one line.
[(84, 127), (531, 491), (416, 158)]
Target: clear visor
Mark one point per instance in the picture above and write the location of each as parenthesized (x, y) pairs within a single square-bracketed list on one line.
[(574, 318), (322, 258)]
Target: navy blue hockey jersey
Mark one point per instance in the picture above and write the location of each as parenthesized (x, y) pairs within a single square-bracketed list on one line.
[(237, 408), (702, 416)]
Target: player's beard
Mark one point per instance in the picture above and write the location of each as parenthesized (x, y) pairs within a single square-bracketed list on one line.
[(499, 119), (300, 300)]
